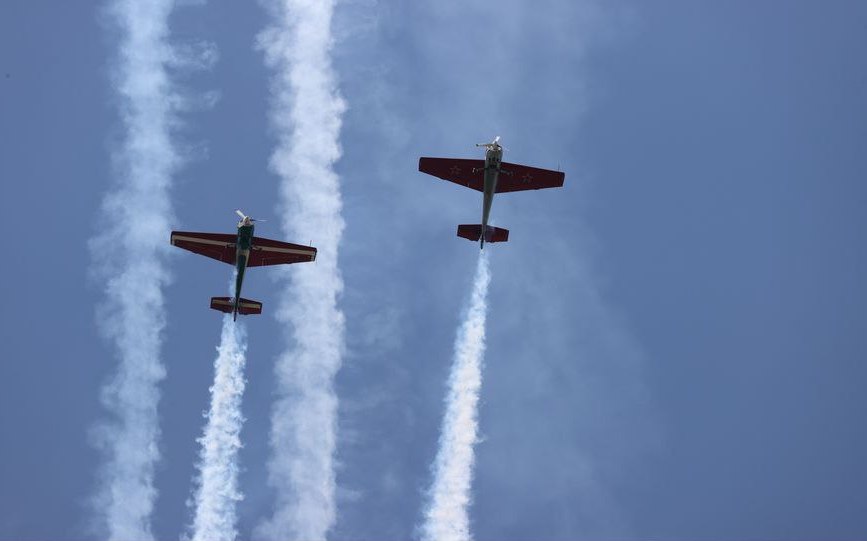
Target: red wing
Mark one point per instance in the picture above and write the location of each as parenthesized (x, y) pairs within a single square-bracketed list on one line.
[(469, 173), (514, 178), (217, 246), (273, 252)]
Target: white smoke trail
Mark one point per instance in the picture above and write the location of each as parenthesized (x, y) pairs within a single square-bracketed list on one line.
[(217, 490), (306, 113), (128, 253), (446, 518)]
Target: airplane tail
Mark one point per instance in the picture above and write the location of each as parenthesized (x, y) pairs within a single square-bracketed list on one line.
[(473, 232), (227, 305)]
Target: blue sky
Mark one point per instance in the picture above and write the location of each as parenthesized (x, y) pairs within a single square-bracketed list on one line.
[(676, 337)]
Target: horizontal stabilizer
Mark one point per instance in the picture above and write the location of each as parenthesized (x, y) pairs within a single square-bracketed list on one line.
[(473, 232), (227, 304)]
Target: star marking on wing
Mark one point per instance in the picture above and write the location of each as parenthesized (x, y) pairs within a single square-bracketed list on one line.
[(527, 178), (455, 170)]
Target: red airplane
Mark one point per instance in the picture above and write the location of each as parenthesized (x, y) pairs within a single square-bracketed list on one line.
[(242, 250), (490, 176)]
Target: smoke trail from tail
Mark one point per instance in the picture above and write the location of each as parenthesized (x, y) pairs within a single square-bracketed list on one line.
[(306, 112), (128, 254), (446, 518), (217, 491)]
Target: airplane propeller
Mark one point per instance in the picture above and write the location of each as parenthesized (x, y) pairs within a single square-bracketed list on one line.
[(244, 217), (492, 145)]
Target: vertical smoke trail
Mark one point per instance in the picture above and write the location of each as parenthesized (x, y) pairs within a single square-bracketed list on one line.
[(217, 483), (446, 518), (306, 113), (128, 253)]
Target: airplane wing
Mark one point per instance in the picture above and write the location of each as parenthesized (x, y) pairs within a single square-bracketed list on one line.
[(273, 252), (514, 178), (469, 173), (217, 246)]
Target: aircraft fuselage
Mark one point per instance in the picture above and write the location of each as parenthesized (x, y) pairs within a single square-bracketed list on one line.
[(242, 255), (493, 157)]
